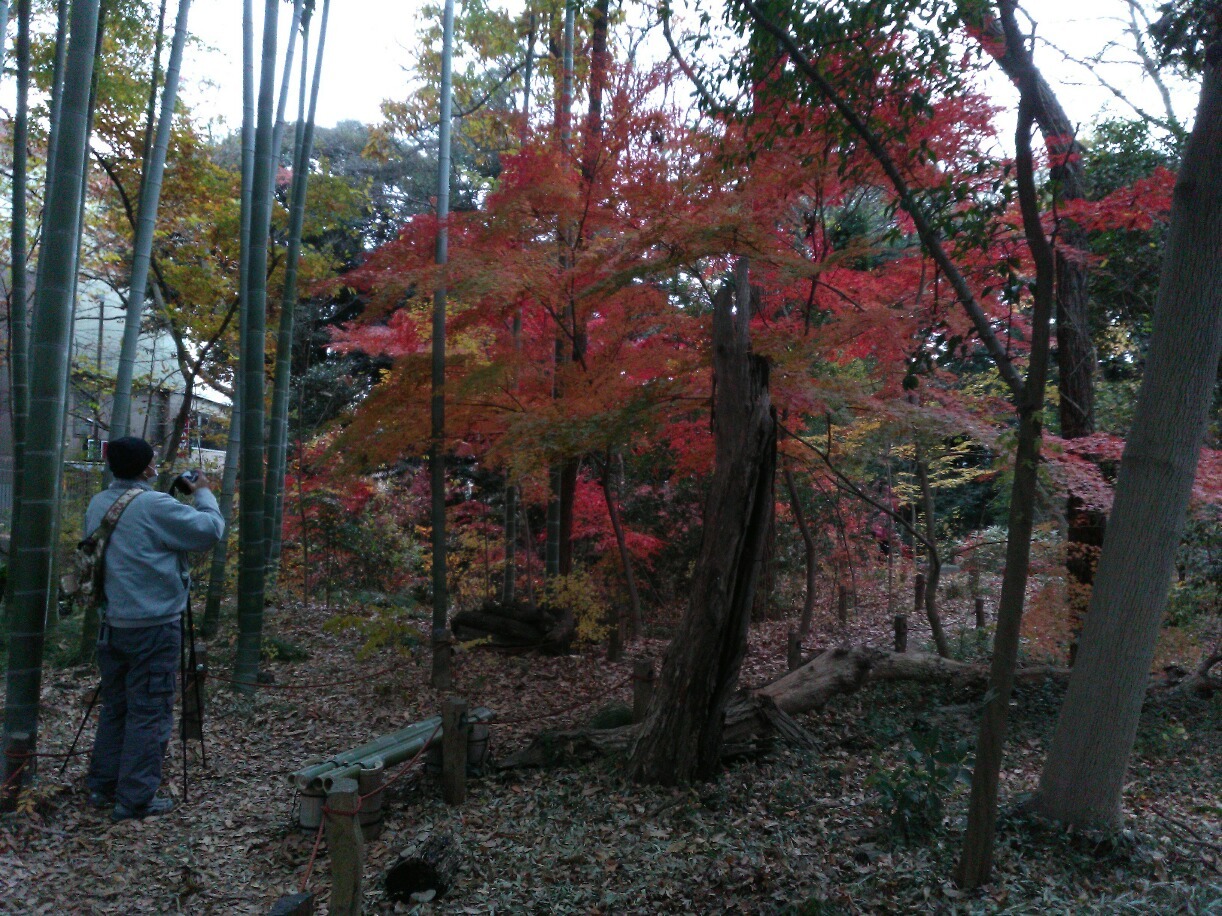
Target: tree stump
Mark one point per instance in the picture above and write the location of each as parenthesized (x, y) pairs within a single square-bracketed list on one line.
[(979, 613), (430, 867), (346, 847), (793, 651), (901, 632)]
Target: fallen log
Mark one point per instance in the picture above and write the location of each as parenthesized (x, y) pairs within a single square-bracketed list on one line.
[(835, 672), (516, 626), (756, 717)]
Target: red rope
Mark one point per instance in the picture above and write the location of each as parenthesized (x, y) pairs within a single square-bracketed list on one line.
[(355, 680), (558, 712), (305, 879), (15, 774), (360, 801), (403, 772)]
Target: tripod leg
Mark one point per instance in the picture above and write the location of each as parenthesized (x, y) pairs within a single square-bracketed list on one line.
[(80, 728), (182, 723), (197, 680)]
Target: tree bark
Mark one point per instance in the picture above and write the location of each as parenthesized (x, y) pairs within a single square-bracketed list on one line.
[(31, 567), (251, 530), (19, 293), (681, 737), (812, 559), (142, 248), (440, 677), (976, 862), (1083, 779), (621, 542), (1076, 358), (935, 563), (303, 147)]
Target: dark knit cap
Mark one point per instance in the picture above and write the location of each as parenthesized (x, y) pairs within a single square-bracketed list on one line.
[(128, 457)]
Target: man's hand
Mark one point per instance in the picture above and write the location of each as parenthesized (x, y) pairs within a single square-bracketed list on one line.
[(201, 482)]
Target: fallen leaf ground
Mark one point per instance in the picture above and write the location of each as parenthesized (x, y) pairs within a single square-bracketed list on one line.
[(780, 833)]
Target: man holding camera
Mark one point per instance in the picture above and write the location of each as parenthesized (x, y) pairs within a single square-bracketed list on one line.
[(140, 638)]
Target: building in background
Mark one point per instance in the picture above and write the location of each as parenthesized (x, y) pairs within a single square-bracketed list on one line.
[(157, 400)]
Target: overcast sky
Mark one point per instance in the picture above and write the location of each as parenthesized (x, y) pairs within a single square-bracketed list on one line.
[(369, 45)]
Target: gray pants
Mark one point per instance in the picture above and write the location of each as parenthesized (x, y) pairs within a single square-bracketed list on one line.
[(139, 668)]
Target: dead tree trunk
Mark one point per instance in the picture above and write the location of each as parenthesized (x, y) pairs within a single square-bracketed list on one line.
[(681, 737)]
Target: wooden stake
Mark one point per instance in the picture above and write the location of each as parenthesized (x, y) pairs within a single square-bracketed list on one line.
[(642, 688), (843, 610), (794, 650), (346, 847), (918, 592), (979, 613), (901, 632), (454, 751)]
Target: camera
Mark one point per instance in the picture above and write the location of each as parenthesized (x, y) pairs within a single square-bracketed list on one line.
[(183, 481)]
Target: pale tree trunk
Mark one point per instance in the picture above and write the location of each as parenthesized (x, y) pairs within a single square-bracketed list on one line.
[(681, 737), (19, 293), (33, 592), (304, 146), (150, 114), (559, 506), (441, 676), (509, 586), (252, 567), (21, 391), (976, 861), (233, 448), (1083, 778), (142, 248)]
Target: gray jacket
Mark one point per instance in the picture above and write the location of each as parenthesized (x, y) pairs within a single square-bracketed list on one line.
[(147, 572)]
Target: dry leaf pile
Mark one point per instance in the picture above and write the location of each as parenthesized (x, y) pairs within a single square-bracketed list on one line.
[(782, 833)]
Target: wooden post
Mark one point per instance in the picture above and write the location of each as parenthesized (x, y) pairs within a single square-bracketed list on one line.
[(454, 751), (918, 593), (794, 650), (442, 651), (346, 847), (979, 613), (901, 632), (843, 610), (193, 696), (642, 688)]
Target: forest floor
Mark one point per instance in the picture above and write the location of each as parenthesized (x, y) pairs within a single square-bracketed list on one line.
[(783, 832)]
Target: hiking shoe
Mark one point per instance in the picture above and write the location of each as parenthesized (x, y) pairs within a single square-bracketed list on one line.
[(100, 799), (159, 804)]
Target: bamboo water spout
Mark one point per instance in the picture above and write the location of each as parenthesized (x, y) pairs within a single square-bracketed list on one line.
[(390, 749)]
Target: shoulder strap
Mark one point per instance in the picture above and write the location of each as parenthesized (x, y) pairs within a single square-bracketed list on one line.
[(111, 518)]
